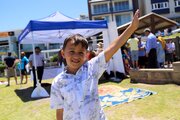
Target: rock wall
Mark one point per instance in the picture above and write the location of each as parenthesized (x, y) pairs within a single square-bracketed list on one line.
[(157, 76)]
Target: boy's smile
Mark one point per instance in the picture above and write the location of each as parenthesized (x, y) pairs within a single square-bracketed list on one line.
[(75, 56)]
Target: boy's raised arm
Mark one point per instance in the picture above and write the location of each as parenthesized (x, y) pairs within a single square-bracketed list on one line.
[(120, 40)]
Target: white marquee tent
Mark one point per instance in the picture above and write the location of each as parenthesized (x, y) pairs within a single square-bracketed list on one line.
[(56, 27)]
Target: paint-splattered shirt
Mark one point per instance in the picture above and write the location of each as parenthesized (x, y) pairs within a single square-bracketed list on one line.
[(77, 94)]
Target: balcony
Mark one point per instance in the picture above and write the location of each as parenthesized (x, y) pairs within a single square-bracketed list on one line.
[(107, 8)]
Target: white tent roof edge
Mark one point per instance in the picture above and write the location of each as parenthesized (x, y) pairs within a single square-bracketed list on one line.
[(54, 22)]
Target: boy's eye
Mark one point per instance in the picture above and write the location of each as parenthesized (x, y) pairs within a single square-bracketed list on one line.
[(81, 53), (71, 52)]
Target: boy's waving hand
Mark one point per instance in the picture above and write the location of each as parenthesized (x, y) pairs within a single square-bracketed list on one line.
[(120, 40)]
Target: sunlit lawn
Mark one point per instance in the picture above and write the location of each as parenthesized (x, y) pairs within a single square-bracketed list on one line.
[(16, 104)]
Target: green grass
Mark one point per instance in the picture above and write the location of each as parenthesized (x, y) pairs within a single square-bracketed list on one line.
[(16, 104), (164, 105)]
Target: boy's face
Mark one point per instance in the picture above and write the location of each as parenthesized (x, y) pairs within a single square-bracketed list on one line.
[(75, 56)]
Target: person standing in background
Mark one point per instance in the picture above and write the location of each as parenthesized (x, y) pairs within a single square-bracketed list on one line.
[(39, 63), (126, 58), (133, 42), (162, 41), (160, 54), (91, 54), (23, 63), (10, 68), (170, 48), (151, 49), (99, 48), (142, 53), (61, 60)]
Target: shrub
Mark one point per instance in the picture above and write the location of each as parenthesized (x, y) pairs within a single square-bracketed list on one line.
[(2, 67), (54, 58)]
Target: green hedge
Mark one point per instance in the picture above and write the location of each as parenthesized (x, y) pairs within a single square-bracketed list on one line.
[(54, 58), (2, 67)]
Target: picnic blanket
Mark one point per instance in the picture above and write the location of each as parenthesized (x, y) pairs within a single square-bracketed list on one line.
[(111, 95)]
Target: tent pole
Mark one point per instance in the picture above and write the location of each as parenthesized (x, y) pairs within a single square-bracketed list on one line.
[(35, 66), (38, 91), (34, 59), (20, 64)]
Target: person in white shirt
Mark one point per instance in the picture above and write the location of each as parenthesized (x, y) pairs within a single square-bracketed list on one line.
[(99, 48), (74, 92), (170, 48), (39, 63)]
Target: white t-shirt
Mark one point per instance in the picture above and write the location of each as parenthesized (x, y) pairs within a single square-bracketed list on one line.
[(39, 59), (170, 47), (78, 94)]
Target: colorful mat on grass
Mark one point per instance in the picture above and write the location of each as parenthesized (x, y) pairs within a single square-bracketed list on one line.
[(111, 95)]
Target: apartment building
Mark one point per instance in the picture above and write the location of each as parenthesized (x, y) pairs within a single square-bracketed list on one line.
[(8, 42), (120, 11), (166, 8)]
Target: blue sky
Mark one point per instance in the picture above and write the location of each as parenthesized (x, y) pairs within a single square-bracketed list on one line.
[(15, 14)]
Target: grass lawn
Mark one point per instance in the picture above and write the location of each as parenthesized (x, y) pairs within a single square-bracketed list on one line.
[(16, 104)]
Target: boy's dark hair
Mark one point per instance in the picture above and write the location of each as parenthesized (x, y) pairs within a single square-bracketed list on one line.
[(77, 39)]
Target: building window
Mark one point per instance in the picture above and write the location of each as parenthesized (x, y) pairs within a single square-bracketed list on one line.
[(106, 18), (122, 19), (123, 5), (100, 8), (177, 3), (161, 5)]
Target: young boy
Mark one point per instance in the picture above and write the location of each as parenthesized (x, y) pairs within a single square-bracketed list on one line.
[(74, 92)]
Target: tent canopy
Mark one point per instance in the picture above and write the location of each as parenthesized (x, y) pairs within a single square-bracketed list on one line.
[(153, 21), (56, 27)]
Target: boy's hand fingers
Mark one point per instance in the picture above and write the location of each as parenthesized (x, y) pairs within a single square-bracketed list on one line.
[(135, 22), (137, 13)]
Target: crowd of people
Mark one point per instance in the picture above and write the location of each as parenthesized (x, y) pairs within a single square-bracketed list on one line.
[(151, 52), (25, 65), (154, 52)]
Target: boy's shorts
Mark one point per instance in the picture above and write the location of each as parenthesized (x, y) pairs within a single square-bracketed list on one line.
[(134, 55), (10, 72)]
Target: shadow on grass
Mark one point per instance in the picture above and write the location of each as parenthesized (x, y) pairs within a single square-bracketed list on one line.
[(111, 77), (25, 94)]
